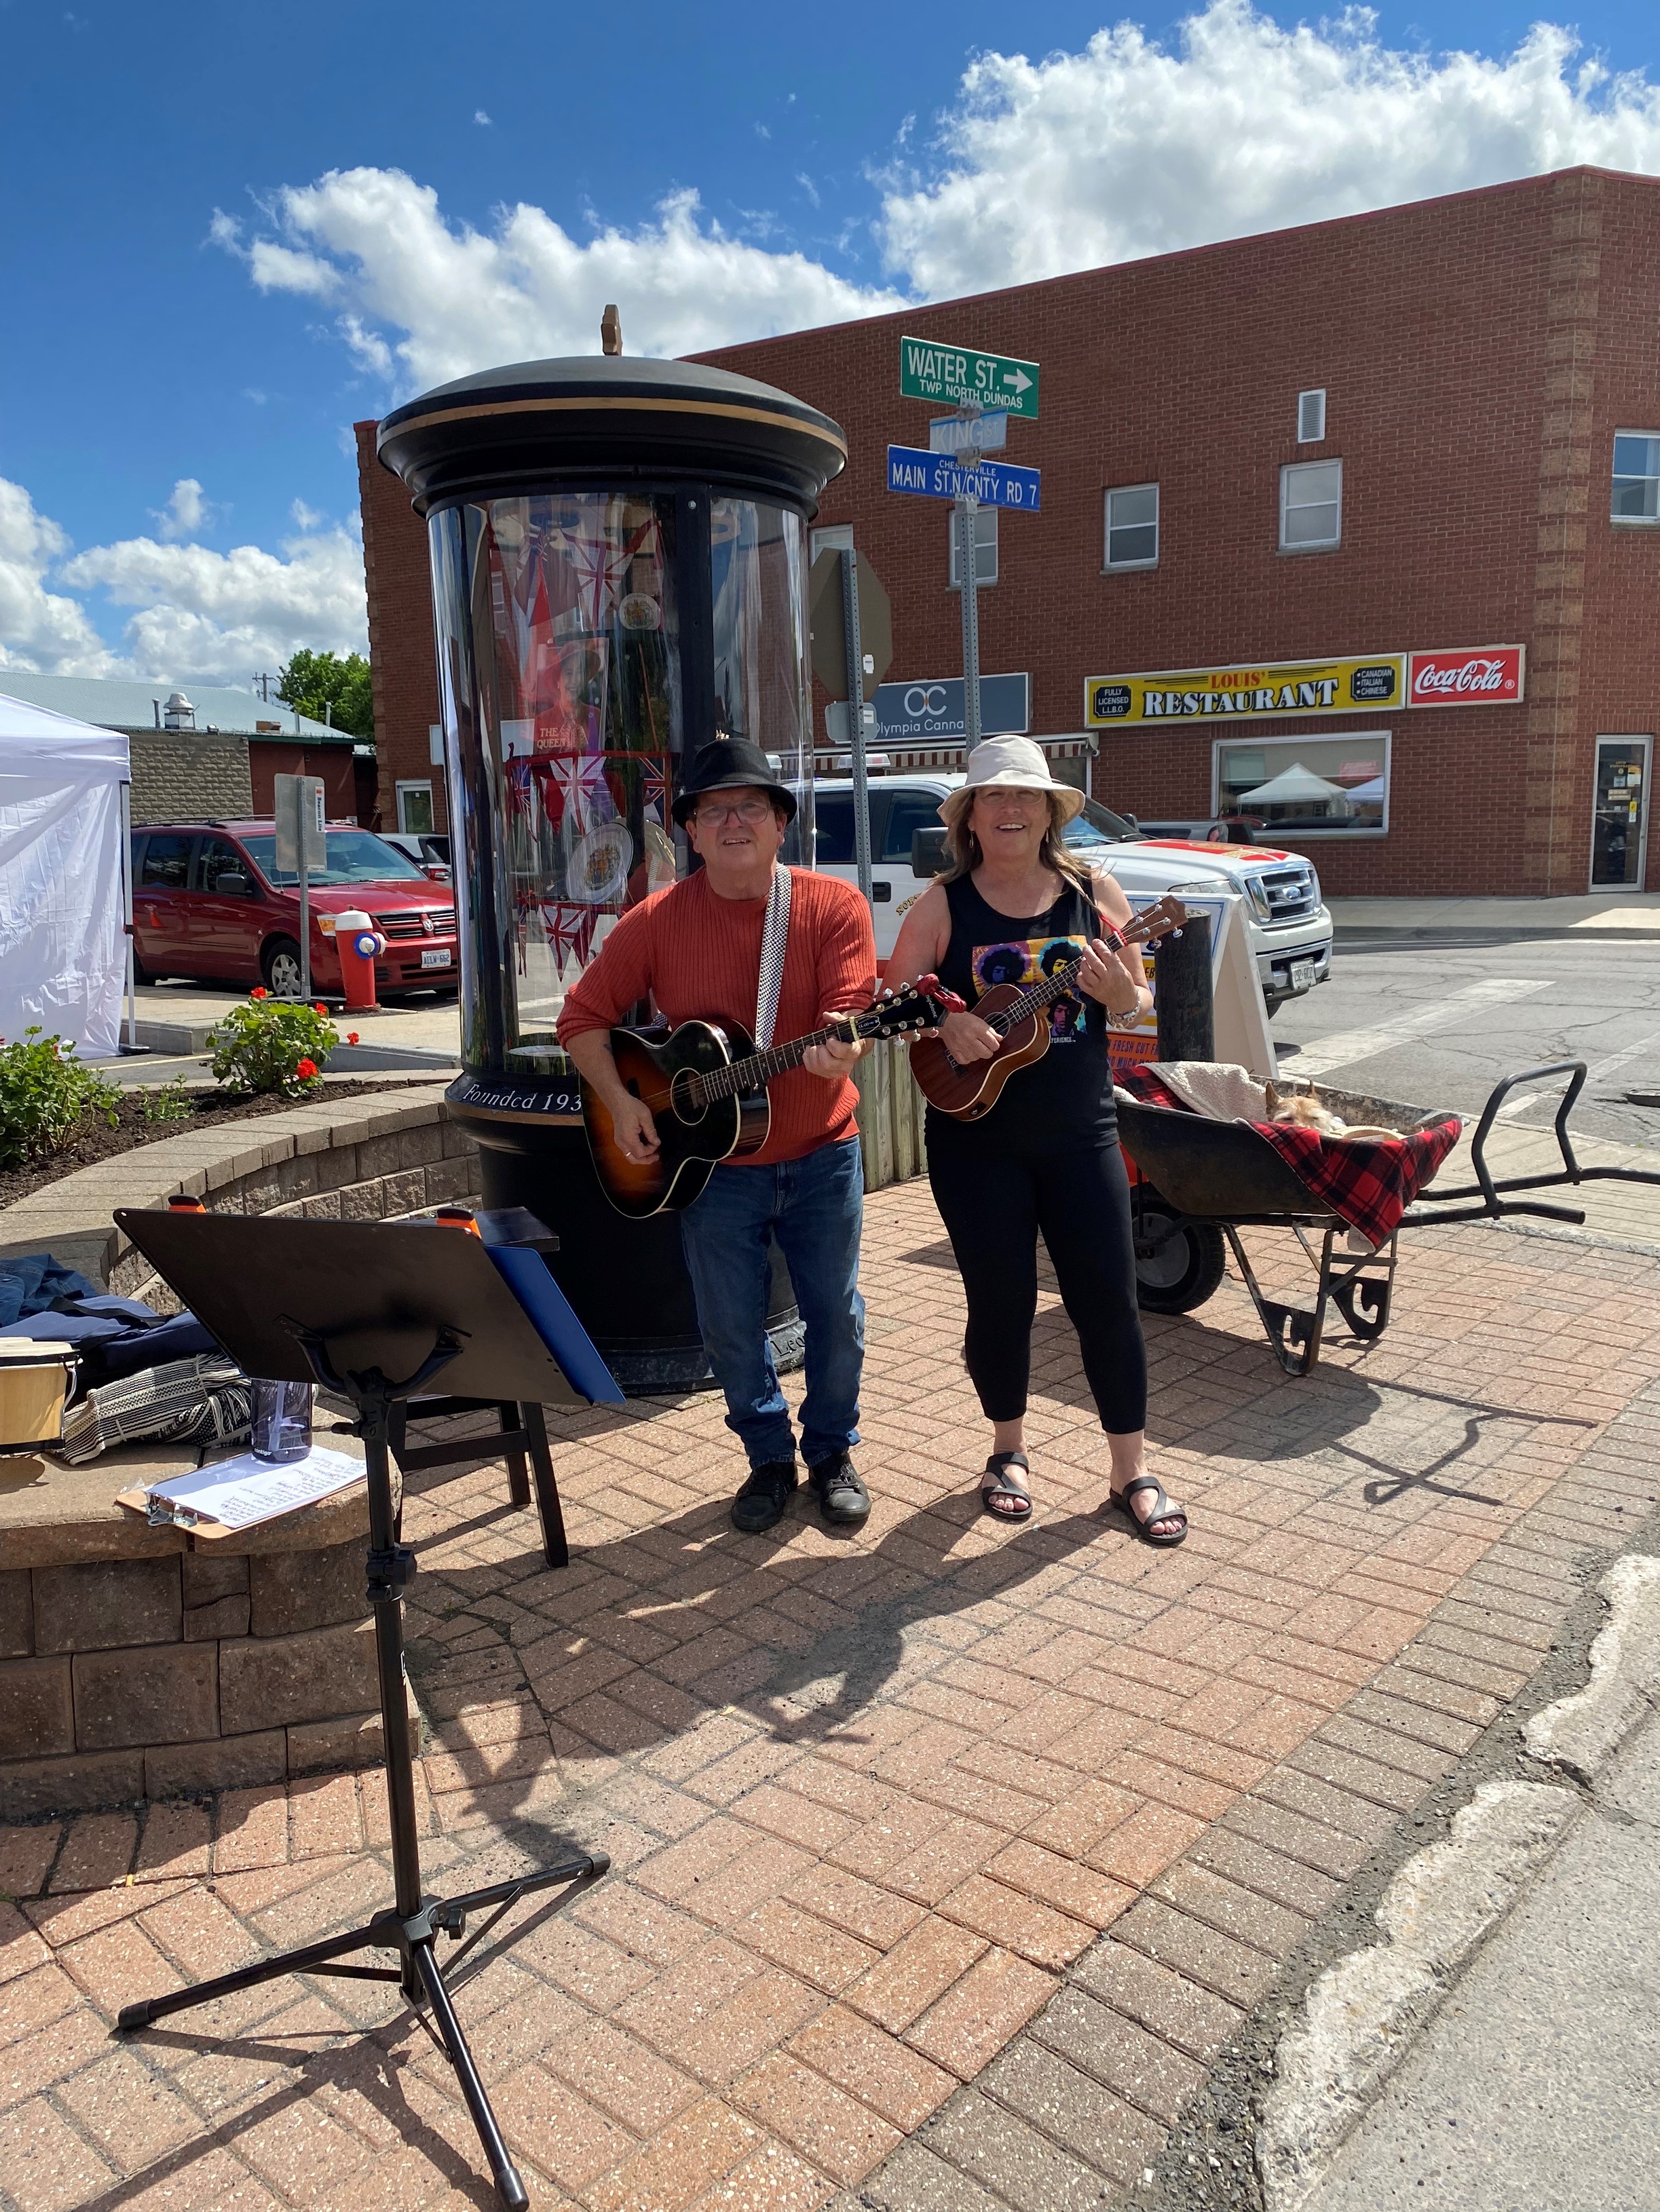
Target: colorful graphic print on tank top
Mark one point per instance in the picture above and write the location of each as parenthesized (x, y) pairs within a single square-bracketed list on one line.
[(1029, 960)]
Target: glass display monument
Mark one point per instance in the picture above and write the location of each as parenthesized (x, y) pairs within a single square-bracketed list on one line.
[(619, 574)]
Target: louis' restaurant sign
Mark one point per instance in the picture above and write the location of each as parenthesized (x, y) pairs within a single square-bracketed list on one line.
[(1480, 676), (1236, 695)]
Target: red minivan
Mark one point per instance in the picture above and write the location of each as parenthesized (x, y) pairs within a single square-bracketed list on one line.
[(209, 900)]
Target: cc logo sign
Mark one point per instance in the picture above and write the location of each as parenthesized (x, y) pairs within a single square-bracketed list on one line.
[(926, 699)]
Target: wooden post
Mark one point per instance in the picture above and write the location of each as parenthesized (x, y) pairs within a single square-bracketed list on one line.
[(1181, 993)]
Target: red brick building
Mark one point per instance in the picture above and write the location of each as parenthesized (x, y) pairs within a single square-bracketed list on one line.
[(1343, 444)]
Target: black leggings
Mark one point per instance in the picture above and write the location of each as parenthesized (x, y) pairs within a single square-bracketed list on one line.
[(993, 1204)]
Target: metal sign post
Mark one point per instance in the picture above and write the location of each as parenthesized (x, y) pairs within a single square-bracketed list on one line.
[(968, 575), (856, 720), (301, 846)]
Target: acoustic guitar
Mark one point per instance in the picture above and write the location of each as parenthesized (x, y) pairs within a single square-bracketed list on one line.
[(706, 1085), (968, 1089)]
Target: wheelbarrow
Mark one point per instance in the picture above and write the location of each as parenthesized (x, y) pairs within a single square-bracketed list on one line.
[(1197, 1182)]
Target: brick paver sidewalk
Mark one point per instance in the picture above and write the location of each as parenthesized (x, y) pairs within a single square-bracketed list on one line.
[(945, 1803)]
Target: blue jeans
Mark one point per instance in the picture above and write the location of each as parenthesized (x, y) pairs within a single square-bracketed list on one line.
[(813, 1206)]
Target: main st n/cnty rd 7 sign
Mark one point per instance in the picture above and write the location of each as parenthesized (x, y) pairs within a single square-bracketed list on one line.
[(954, 475), (958, 375)]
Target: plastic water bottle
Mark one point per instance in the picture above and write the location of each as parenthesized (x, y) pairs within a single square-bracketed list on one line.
[(281, 1419)]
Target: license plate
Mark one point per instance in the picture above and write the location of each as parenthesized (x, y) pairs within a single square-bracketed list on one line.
[(432, 958), (1302, 974)]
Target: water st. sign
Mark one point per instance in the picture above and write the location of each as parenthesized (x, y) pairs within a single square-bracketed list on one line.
[(959, 376)]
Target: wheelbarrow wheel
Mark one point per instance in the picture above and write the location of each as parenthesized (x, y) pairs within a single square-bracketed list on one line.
[(1178, 1262)]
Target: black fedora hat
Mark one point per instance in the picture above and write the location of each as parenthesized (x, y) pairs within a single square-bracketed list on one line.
[(729, 764)]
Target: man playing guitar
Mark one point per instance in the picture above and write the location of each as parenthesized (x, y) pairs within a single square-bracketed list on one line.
[(696, 949)]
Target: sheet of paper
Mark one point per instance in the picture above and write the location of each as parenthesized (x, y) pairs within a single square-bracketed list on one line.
[(239, 1492)]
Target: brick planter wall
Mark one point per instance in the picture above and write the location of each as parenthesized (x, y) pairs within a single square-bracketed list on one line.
[(136, 1662)]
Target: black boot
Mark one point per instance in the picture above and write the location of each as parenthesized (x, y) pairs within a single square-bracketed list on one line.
[(760, 1504)]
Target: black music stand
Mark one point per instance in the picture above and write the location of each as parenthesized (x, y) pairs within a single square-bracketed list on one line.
[(354, 1305)]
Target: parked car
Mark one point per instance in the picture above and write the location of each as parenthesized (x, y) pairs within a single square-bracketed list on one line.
[(209, 900), (1290, 930), (429, 849)]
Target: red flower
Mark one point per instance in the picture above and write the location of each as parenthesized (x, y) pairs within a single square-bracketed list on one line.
[(320, 1008), (305, 1069), (258, 991), (351, 1036)]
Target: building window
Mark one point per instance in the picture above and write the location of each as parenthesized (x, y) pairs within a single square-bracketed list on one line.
[(1133, 526), (1311, 506), (414, 808), (833, 537), (1310, 417), (1636, 476), (1280, 788), (985, 545)]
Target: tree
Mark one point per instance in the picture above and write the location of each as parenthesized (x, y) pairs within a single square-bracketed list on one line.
[(314, 682)]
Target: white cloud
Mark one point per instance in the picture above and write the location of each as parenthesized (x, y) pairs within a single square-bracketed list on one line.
[(1134, 148), (422, 299), (186, 512), (481, 118), (196, 614), (306, 517), (41, 631), (205, 614), (1128, 147)]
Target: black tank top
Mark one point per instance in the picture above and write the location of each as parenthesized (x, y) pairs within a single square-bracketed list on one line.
[(1068, 1094)]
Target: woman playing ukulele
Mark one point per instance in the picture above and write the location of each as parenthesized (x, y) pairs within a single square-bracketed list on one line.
[(1013, 906)]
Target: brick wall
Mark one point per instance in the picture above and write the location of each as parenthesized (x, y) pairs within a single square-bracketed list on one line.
[(180, 776), (396, 571), (1477, 352), (270, 757)]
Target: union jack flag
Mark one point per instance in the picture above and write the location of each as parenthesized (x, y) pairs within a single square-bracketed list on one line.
[(570, 929), (576, 782)]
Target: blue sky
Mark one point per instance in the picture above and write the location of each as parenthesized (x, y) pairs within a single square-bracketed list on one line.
[(186, 305)]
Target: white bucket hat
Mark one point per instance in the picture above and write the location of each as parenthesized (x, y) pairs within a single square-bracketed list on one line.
[(1017, 764)]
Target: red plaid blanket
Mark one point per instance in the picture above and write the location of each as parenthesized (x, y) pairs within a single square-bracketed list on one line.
[(1369, 1182)]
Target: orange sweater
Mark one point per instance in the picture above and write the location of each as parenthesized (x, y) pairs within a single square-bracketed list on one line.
[(699, 958)]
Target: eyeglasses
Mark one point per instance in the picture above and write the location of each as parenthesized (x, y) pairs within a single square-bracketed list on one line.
[(751, 810)]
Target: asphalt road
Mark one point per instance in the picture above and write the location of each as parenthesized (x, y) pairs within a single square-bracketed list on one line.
[(1439, 1024)]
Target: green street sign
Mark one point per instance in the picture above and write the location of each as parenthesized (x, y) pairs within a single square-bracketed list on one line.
[(953, 375)]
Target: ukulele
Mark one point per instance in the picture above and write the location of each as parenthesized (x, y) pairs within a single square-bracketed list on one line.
[(970, 1088), (706, 1085)]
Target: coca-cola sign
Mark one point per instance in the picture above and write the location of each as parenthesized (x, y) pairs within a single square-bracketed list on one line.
[(1479, 676)]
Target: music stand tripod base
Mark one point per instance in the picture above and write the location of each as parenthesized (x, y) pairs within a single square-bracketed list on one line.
[(391, 1297)]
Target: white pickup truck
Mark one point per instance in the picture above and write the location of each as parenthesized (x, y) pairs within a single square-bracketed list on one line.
[(1291, 931)]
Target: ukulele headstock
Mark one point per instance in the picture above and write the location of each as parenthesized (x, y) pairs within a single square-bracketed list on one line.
[(1155, 921)]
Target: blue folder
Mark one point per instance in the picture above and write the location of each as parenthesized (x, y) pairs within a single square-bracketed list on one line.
[(525, 1273)]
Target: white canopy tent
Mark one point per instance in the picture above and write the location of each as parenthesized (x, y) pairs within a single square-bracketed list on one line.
[(1293, 785), (63, 892)]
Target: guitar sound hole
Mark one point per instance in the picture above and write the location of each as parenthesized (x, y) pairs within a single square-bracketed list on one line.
[(684, 1098)]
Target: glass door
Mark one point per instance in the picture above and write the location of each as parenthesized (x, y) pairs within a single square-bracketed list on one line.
[(1621, 817)]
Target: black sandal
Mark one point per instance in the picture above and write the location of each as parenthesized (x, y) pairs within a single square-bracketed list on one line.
[(1003, 1485), (1162, 1511)]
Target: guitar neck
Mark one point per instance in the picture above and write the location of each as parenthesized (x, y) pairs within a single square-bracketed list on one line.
[(761, 1068)]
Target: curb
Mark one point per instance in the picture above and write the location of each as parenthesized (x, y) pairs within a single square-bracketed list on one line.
[(1580, 1733), (1357, 2020)]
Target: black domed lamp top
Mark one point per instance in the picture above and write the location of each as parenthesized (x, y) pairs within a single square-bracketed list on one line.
[(609, 421)]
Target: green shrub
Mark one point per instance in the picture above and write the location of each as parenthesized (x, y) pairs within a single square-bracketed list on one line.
[(45, 1094), (272, 1044), (167, 1102)]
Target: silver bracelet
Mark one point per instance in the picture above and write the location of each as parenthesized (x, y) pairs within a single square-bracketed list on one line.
[(1125, 1021)]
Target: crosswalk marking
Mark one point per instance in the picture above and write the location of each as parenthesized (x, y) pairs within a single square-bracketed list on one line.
[(1519, 1101), (1325, 1054)]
